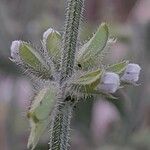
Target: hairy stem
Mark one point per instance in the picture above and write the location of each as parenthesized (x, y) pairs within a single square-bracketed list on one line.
[(60, 134), (60, 130), (73, 17)]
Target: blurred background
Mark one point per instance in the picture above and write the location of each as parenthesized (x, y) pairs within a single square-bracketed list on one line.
[(96, 125)]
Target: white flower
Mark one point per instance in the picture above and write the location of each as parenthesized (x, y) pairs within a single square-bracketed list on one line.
[(48, 32), (131, 73), (110, 82), (15, 48)]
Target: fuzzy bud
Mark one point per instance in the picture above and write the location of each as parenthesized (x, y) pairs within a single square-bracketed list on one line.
[(49, 32), (110, 82), (51, 42), (15, 48), (131, 73)]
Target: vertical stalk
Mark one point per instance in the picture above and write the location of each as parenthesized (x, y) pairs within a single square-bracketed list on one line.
[(60, 129), (60, 134), (73, 17)]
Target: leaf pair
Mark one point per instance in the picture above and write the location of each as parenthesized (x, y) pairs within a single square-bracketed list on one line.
[(33, 60)]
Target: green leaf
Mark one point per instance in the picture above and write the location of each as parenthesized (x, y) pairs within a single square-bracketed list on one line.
[(43, 103), (31, 57), (101, 93), (37, 130), (52, 42), (90, 51), (109, 96), (87, 82), (33, 61), (118, 67), (39, 113)]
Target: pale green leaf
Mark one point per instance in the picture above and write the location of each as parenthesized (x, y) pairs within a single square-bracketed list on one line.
[(109, 96), (43, 103), (87, 82), (34, 61), (100, 93), (37, 130), (39, 114), (118, 67), (52, 43), (30, 56), (90, 51)]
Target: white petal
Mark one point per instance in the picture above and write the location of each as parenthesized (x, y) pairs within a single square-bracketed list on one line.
[(132, 77), (15, 48), (131, 73), (110, 78), (110, 82), (109, 88), (133, 68)]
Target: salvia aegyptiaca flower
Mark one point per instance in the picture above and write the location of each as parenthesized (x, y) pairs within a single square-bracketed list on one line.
[(110, 82), (131, 73)]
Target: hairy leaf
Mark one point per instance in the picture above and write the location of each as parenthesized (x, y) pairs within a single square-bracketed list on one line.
[(102, 94), (90, 51), (39, 113), (37, 130), (33, 61), (52, 42), (87, 82), (118, 67), (30, 56)]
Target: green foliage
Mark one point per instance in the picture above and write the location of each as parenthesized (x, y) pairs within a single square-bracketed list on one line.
[(39, 113), (89, 52), (118, 67), (31, 57), (37, 130), (87, 82), (70, 79), (33, 61), (52, 43)]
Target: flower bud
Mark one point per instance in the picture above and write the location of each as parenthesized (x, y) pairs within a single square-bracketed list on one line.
[(110, 82), (51, 42), (131, 73), (15, 49), (48, 32)]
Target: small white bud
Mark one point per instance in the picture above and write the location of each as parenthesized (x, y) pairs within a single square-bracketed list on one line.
[(48, 32), (110, 82), (131, 73), (15, 48)]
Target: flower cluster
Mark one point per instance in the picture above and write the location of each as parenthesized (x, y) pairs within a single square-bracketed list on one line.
[(87, 78), (23, 53), (111, 81)]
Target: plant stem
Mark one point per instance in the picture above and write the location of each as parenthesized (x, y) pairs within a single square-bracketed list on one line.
[(60, 129), (73, 17)]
